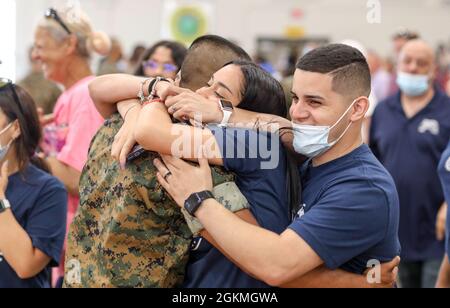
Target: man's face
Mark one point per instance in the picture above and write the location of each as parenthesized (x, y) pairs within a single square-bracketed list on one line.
[(316, 103), (416, 59)]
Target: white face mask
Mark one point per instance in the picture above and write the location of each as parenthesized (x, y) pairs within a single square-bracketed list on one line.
[(312, 141), (4, 149)]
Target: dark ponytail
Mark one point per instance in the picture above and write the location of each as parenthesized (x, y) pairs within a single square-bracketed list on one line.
[(24, 110)]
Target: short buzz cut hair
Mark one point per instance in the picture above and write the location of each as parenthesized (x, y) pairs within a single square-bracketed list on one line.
[(347, 66), (207, 55), (218, 41)]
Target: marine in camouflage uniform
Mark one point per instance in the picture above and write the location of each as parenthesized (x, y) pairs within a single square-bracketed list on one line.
[(128, 232)]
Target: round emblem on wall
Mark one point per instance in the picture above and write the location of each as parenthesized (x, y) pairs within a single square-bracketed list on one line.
[(188, 23)]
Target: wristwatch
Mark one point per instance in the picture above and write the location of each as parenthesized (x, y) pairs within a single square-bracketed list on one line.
[(192, 204), (227, 109), (4, 205)]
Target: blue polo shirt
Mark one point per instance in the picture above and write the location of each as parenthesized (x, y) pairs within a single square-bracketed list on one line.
[(444, 174), (39, 204), (410, 149), (350, 214), (259, 163)]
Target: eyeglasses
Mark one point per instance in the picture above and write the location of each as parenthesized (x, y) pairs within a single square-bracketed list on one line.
[(51, 13), (168, 68), (7, 84)]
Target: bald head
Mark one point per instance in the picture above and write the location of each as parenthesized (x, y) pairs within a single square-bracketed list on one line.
[(418, 47), (417, 57)]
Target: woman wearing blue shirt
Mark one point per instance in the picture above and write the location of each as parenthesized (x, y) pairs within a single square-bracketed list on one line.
[(32, 202), (444, 174)]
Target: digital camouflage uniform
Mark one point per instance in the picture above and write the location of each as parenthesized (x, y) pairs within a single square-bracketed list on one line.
[(127, 232)]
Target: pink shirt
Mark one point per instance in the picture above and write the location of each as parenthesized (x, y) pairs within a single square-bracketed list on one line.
[(77, 121), (76, 110)]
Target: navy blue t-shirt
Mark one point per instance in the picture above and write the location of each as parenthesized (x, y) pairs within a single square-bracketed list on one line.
[(262, 179), (350, 214), (39, 204), (444, 174), (410, 149)]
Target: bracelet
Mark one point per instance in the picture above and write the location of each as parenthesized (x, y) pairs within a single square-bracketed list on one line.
[(141, 95), (126, 113), (152, 87)]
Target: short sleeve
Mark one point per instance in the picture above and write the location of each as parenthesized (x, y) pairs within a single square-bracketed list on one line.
[(246, 150), (46, 224), (83, 126), (339, 228)]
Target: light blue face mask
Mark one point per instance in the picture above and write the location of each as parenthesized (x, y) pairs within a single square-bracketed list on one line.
[(312, 141), (4, 149), (413, 85)]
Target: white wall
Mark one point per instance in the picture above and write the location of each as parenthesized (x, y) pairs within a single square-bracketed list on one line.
[(135, 21), (8, 39)]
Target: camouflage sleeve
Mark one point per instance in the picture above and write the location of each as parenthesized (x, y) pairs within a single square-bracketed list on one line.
[(227, 194)]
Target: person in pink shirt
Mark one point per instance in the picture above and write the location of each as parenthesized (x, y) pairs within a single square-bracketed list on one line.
[(64, 41)]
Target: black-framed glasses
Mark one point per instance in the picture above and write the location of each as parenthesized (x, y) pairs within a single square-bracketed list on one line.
[(7, 84), (51, 13)]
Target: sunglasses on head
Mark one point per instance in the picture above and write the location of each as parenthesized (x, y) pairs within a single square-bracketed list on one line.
[(51, 13), (170, 68), (406, 34), (7, 84)]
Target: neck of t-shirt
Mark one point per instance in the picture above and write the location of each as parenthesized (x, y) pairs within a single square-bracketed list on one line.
[(344, 147), (413, 105)]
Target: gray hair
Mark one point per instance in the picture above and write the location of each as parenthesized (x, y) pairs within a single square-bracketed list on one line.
[(88, 41)]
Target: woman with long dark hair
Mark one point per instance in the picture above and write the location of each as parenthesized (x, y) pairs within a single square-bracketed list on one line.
[(33, 204), (162, 59)]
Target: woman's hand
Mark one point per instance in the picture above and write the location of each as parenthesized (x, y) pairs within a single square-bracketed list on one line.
[(181, 179), (125, 140), (3, 180), (183, 104), (165, 90)]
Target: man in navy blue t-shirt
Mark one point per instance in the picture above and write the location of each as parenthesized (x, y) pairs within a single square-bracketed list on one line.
[(351, 211), (409, 132)]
